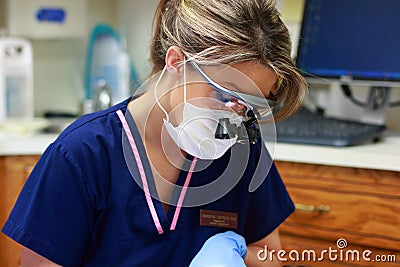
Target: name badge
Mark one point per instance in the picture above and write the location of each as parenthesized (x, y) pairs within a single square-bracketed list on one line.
[(219, 219)]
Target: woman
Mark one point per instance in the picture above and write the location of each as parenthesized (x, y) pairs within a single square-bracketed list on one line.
[(151, 181)]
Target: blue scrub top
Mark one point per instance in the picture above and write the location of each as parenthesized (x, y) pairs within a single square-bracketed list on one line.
[(81, 207)]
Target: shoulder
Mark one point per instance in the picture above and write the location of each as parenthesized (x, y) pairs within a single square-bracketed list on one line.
[(91, 142), (94, 121), (94, 128)]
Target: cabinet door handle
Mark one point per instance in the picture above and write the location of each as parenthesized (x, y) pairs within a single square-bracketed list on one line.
[(312, 208)]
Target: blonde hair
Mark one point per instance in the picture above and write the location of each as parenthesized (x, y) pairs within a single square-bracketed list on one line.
[(227, 32)]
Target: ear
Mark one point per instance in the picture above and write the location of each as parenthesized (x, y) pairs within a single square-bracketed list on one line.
[(173, 60)]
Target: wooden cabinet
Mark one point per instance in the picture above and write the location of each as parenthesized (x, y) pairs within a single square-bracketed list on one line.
[(355, 206), (13, 173), (349, 210)]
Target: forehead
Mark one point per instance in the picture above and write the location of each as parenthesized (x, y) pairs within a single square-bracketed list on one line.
[(262, 76)]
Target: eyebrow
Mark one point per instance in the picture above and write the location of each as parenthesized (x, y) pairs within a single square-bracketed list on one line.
[(256, 100), (271, 95), (233, 85)]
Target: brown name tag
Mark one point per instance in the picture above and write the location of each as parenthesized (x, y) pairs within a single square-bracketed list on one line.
[(219, 219)]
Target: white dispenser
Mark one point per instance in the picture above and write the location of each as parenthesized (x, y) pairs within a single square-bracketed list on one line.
[(16, 81)]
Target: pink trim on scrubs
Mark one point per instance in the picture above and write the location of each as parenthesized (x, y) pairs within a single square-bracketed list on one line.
[(145, 184), (183, 193)]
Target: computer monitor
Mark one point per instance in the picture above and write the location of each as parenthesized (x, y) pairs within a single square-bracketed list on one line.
[(353, 42)]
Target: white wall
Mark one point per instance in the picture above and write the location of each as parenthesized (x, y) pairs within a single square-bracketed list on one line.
[(393, 118), (2, 15), (56, 63), (336, 104), (59, 64), (135, 19)]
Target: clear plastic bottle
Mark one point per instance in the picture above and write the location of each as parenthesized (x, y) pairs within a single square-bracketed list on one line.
[(124, 69), (16, 78)]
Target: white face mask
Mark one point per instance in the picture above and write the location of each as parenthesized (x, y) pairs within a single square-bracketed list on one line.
[(195, 134)]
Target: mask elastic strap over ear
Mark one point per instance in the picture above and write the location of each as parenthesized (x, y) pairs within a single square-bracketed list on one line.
[(155, 93), (184, 79)]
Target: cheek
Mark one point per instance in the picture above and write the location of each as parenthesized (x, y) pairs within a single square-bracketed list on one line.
[(199, 94), (197, 90), (176, 97), (193, 91), (176, 105)]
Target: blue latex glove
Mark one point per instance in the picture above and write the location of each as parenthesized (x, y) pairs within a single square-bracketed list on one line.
[(222, 250)]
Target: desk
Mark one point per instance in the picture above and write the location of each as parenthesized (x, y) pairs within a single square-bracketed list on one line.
[(384, 155), (24, 144)]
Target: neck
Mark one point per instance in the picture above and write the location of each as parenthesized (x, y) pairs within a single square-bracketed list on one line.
[(163, 153), (148, 117)]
